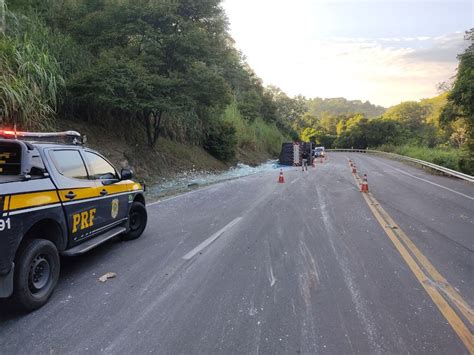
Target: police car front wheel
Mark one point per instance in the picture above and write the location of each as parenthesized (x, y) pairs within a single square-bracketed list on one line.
[(36, 273), (137, 220)]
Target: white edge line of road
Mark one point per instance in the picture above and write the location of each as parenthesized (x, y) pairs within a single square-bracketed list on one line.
[(429, 182), (209, 240)]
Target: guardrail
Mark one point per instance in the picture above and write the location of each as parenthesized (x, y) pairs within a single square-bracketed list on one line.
[(439, 168)]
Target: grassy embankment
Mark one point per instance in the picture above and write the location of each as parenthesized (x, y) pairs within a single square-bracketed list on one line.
[(257, 140), (447, 157)]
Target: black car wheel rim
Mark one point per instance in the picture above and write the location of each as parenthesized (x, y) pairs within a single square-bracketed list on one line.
[(40, 273), (135, 220)]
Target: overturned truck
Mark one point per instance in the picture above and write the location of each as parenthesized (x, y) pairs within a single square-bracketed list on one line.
[(292, 153)]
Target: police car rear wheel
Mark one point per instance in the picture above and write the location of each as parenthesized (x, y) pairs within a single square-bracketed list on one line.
[(137, 221), (36, 273)]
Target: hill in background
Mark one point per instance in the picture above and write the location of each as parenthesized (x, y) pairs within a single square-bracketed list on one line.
[(341, 106)]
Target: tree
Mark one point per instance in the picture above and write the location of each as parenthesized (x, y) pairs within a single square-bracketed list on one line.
[(341, 106), (462, 94), (329, 122), (410, 113), (221, 141), (250, 104), (154, 62), (460, 101), (459, 136)]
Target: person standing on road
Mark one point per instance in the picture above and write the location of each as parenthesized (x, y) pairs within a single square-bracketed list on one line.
[(304, 161)]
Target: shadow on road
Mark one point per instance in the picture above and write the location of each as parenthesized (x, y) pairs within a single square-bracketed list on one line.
[(70, 267)]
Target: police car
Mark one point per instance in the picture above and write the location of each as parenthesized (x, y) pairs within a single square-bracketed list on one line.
[(57, 197)]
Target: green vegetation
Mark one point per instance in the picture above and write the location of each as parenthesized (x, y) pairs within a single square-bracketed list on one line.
[(160, 68), (31, 79), (342, 106), (448, 157), (257, 136), (459, 111)]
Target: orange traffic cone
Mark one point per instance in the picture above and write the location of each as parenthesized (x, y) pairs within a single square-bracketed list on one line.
[(281, 178), (364, 187), (354, 169)]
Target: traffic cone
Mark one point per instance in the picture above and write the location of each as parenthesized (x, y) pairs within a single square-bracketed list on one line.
[(354, 169), (364, 187), (281, 178)]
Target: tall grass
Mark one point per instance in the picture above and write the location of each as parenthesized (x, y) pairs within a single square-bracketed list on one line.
[(30, 81), (447, 157), (256, 135)]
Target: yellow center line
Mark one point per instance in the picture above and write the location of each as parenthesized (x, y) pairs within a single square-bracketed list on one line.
[(441, 282), (387, 223)]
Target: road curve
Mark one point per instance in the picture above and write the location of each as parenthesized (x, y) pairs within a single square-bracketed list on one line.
[(253, 266)]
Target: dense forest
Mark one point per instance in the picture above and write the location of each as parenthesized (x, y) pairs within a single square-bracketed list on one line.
[(167, 68), (170, 69)]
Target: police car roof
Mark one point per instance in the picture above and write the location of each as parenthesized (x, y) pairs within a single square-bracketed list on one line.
[(37, 138), (41, 144)]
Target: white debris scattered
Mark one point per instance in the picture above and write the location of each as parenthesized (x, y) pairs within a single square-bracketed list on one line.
[(253, 311), (109, 275), (191, 179)]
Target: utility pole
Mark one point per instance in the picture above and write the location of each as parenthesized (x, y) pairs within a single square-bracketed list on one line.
[(3, 23)]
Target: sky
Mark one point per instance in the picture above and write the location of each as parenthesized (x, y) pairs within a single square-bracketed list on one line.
[(377, 50)]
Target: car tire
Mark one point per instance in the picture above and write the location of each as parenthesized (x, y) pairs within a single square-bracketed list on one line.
[(137, 220), (36, 274)]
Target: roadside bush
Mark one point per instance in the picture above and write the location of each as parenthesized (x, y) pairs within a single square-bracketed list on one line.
[(448, 157), (256, 135), (221, 141), (466, 163), (268, 137)]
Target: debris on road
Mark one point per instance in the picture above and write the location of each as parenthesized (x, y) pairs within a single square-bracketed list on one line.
[(109, 275)]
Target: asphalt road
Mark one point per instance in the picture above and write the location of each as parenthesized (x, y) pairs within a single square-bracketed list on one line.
[(253, 266)]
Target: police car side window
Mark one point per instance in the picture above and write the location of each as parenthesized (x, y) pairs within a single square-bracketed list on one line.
[(99, 168), (69, 163)]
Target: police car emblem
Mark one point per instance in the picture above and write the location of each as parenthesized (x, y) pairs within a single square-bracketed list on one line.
[(115, 208)]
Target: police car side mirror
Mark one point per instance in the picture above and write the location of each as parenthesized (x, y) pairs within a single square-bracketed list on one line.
[(126, 174)]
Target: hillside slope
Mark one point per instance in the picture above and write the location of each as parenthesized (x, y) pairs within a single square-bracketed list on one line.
[(167, 159)]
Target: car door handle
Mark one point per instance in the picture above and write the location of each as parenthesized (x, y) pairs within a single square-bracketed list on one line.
[(104, 192), (70, 195)]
